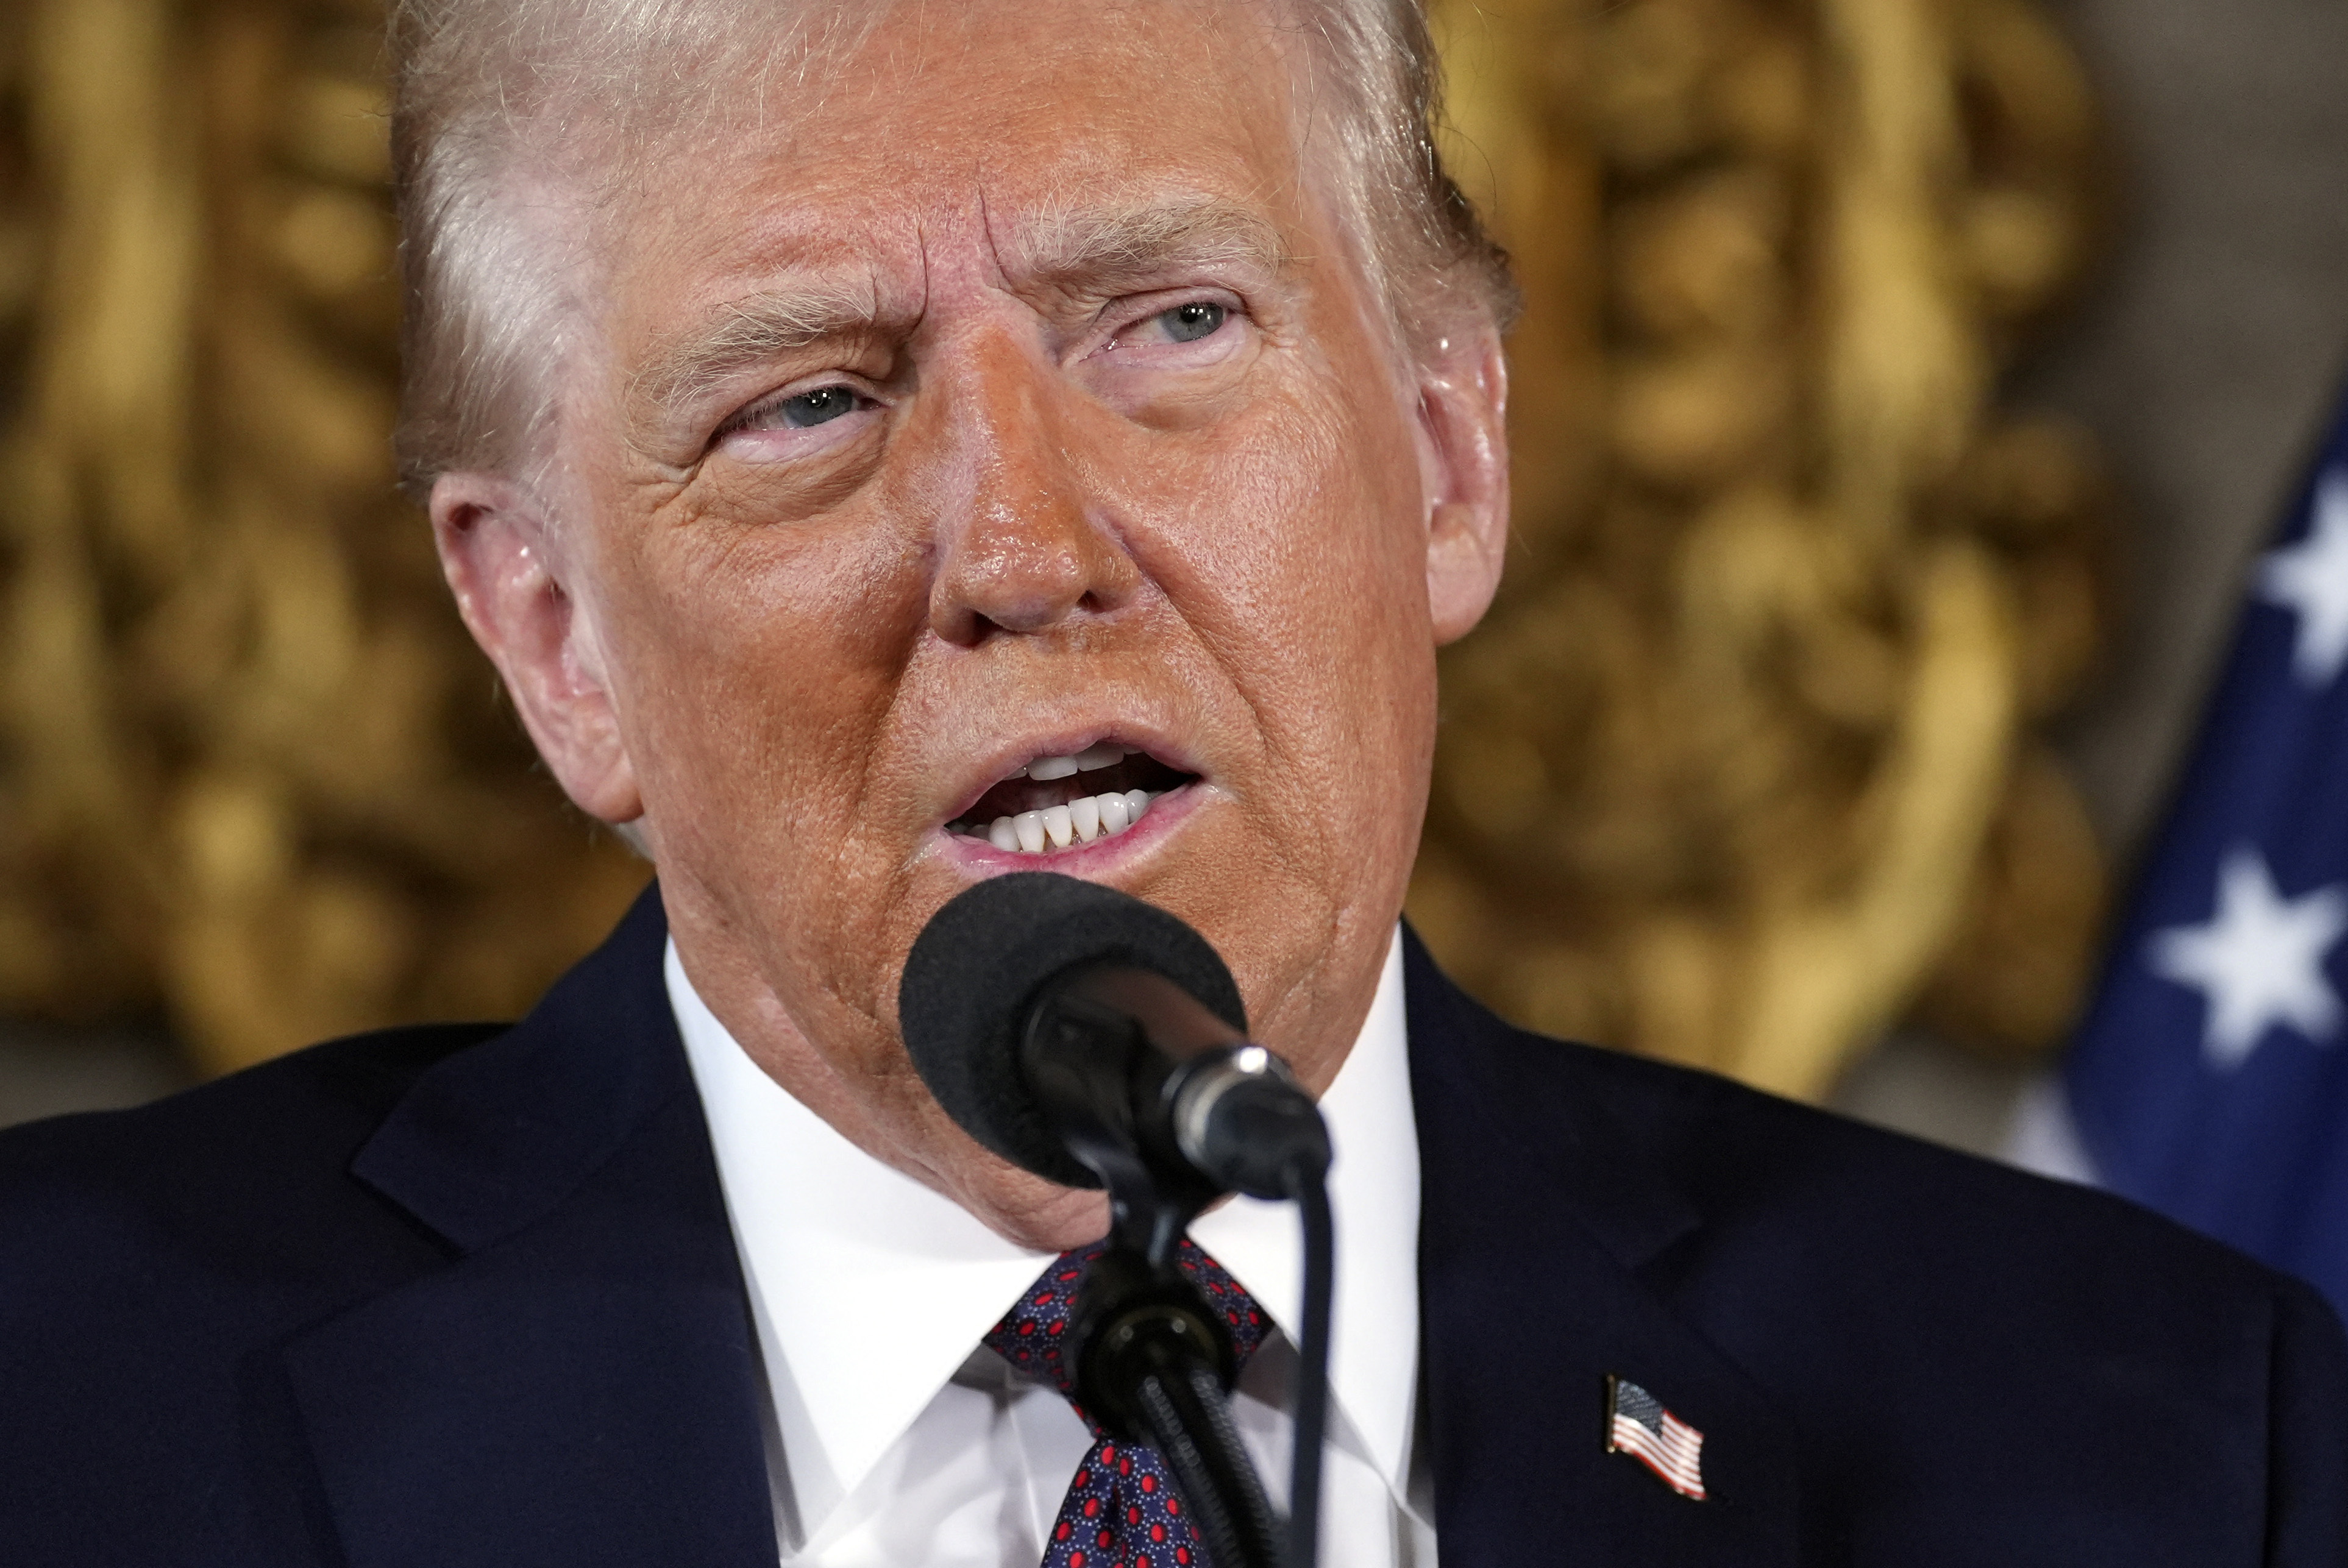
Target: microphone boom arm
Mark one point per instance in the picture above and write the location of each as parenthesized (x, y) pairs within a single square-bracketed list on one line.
[(1154, 1360)]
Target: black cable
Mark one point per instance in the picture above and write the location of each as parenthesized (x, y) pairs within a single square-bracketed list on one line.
[(1189, 1424), (1307, 1187)]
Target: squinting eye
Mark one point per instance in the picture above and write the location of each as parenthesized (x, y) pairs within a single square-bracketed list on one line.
[(820, 406), (1189, 323)]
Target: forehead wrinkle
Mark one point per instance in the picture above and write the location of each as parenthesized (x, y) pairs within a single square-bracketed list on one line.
[(746, 332)]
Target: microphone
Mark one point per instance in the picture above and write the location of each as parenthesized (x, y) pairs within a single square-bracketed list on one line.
[(1098, 1041)]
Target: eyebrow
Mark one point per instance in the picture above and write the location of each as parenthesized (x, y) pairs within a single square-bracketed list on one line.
[(1100, 246), (752, 330), (1091, 249)]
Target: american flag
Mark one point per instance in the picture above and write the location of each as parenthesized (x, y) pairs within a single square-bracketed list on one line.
[(1638, 1425), (2210, 1079)]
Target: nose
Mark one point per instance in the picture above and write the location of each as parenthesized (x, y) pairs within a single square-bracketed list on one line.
[(1021, 549)]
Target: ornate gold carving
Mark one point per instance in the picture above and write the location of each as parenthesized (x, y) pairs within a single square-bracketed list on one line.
[(255, 772), (1743, 760)]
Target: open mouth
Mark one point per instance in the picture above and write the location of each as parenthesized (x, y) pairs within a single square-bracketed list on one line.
[(1063, 803)]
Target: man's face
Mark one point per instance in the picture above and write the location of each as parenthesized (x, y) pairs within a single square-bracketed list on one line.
[(1021, 397)]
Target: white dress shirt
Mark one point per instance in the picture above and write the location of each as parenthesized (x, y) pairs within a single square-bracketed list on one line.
[(898, 1439)]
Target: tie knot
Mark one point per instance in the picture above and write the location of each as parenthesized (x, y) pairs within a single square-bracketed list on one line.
[(1033, 1332)]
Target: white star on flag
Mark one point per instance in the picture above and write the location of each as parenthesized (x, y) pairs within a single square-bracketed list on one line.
[(2311, 577), (2260, 960)]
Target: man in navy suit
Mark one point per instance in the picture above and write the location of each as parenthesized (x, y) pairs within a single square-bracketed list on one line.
[(882, 446)]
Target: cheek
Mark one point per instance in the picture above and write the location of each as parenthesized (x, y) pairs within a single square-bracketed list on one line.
[(1290, 548), (796, 633), (1303, 554)]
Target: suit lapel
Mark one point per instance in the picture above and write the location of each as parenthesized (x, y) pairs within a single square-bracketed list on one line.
[(579, 1386), (1538, 1217)]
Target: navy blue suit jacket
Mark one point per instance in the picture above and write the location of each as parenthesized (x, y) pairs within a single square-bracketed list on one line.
[(466, 1297)]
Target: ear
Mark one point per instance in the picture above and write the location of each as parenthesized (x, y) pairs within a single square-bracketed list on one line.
[(1463, 407), (502, 561)]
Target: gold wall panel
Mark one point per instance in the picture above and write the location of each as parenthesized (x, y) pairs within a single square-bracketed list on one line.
[(255, 775), (1742, 766), (1743, 762)]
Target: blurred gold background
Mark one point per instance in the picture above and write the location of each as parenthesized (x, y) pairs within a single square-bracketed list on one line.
[(1745, 764), (1745, 769), (256, 775)]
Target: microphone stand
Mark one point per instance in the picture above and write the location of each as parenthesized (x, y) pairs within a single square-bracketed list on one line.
[(1154, 1358), (1154, 1364)]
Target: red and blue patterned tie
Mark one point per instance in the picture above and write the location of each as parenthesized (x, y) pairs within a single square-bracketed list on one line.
[(1121, 1511)]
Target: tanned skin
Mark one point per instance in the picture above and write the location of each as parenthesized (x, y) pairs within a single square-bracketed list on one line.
[(1031, 389)]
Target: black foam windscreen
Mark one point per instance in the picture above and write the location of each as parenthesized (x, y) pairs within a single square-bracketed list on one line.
[(977, 968)]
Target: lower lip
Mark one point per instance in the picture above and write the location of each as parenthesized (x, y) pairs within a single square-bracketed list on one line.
[(1165, 813)]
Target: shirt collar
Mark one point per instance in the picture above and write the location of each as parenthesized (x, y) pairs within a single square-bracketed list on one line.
[(869, 1290)]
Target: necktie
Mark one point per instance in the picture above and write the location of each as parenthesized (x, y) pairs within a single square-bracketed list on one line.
[(1121, 1511)]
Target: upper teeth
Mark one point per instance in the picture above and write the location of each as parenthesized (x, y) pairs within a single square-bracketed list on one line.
[(1105, 754)]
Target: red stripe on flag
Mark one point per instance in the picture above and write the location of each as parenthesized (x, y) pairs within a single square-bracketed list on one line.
[(1675, 1456)]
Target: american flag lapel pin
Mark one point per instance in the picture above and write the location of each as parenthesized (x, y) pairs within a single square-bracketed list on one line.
[(1638, 1425)]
